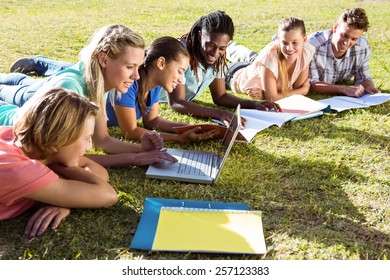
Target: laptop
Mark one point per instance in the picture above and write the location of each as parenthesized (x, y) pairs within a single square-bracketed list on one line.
[(197, 166)]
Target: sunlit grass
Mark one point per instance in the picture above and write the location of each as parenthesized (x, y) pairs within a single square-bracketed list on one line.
[(323, 184)]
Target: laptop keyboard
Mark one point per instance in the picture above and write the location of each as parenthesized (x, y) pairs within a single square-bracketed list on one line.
[(196, 163)]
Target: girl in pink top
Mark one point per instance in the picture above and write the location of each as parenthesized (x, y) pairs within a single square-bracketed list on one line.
[(281, 69), (49, 141)]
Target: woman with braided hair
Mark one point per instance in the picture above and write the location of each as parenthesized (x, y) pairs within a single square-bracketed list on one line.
[(206, 44), (109, 62)]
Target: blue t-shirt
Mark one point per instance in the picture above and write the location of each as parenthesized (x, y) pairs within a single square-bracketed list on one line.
[(130, 99)]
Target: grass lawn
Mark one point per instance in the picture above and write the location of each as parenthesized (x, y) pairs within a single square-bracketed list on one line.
[(323, 184)]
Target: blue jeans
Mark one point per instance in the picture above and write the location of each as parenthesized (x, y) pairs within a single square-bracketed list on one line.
[(16, 88), (47, 67)]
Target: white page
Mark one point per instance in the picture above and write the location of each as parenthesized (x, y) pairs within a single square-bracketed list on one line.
[(370, 99), (257, 121), (272, 117), (300, 104), (252, 127), (341, 103)]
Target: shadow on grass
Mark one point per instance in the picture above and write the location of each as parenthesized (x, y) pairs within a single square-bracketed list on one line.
[(312, 205), (305, 200), (85, 234), (302, 200)]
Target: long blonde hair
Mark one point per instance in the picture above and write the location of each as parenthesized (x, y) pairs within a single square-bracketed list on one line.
[(112, 40), (287, 24), (54, 119)]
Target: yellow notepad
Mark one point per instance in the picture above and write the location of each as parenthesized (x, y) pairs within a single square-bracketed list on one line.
[(209, 230)]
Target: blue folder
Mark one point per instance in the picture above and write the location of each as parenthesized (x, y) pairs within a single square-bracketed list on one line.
[(146, 230)]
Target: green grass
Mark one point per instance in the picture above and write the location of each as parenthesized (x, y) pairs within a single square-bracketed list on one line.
[(323, 184)]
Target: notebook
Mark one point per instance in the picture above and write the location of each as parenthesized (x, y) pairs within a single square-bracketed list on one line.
[(199, 226), (209, 230), (147, 226), (197, 166)]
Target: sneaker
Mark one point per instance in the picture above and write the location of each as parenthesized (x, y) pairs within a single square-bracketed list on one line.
[(25, 65)]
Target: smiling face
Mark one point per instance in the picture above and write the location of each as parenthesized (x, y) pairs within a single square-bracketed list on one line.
[(172, 73), (344, 37), (70, 155), (291, 44), (121, 72), (213, 46)]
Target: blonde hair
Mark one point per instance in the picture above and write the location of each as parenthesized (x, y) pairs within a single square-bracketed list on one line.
[(111, 40), (287, 24), (53, 120)]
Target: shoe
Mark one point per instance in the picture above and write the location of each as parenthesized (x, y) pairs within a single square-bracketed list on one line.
[(25, 65)]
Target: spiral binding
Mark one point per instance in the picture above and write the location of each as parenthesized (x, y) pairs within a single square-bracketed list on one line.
[(211, 210)]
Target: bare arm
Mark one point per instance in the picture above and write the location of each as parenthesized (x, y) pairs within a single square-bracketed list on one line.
[(302, 84), (222, 98), (103, 140), (127, 119), (81, 189), (325, 88), (153, 121), (94, 168), (177, 102), (128, 123), (125, 153), (369, 87), (168, 134), (270, 85), (271, 92)]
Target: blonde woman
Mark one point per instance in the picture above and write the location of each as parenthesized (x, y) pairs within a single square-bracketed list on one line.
[(110, 61), (49, 140), (281, 69)]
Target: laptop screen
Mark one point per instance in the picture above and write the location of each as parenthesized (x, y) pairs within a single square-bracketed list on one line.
[(230, 136), (233, 127)]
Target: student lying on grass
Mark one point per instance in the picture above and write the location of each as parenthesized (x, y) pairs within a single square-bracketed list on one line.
[(281, 69), (110, 61), (42, 161), (340, 65), (206, 43), (166, 60)]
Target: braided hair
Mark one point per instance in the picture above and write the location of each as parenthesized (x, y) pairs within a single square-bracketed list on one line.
[(215, 22), (112, 40)]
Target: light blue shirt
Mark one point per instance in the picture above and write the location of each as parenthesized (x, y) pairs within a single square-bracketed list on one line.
[(8, 113), (193, 87)]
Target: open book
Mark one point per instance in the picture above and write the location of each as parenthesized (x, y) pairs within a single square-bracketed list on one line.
[(199, 226), (295, 107), (341, 103)]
